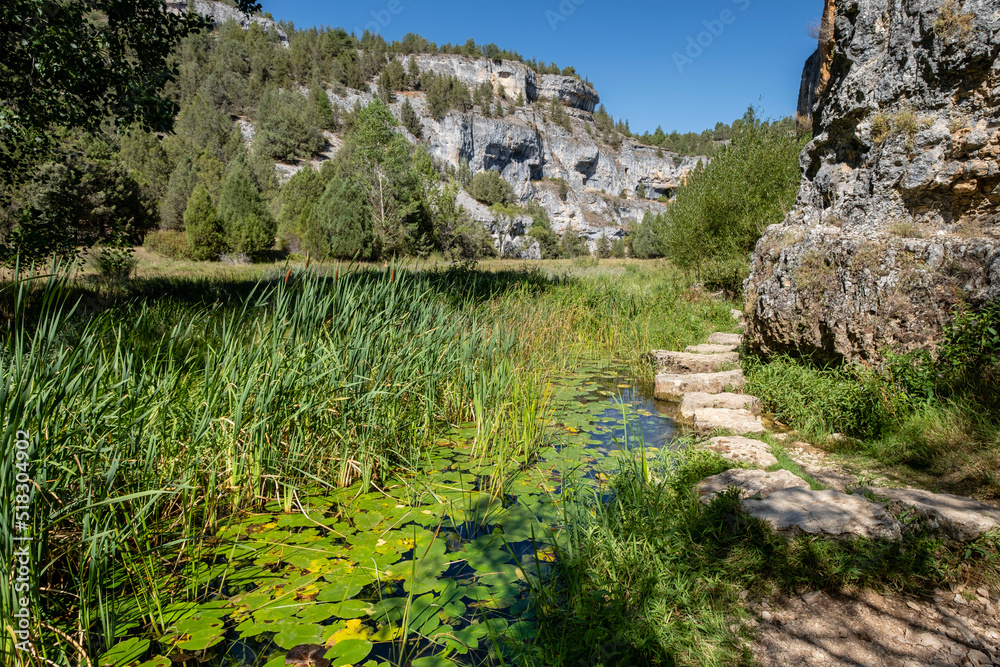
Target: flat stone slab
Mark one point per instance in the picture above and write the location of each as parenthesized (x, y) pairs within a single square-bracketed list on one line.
[(742, 450), (750, 483), (725, 339), (695, 401), (707, 420), (825, 513), (685, 362), (672, 387), (710, 349), (957, 517)]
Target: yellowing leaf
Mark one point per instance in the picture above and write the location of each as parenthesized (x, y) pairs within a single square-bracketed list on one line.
[(355, 630)]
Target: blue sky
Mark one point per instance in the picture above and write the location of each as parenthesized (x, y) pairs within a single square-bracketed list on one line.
[(682, 65)]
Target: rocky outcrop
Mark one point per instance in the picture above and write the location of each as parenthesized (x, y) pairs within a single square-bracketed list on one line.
[(218, 13), (510, 234), (750, 483), (799, 511), (809, 88), (897, 216), (570, 91)]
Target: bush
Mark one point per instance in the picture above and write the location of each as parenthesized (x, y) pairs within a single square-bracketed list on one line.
[(720, 214), (201, 223), (169, 243), (409, 119), (297, 198), (490, 188)]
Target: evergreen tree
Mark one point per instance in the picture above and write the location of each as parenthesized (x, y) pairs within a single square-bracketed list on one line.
[(180, 186), (201, 222), (322, 109), (603, 247), (410, 120), (413, 72), (298, 196), (490, 188), (285, 127), (247, 224), (339, 225)]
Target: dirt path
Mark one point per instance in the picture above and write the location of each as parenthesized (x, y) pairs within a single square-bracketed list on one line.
[(851, 628)]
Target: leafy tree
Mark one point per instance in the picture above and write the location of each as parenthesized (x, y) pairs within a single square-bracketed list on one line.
[(247, 224), (201, 223), (286, 127), (77, 64), (410, 119), (175, 200), (541, 231), (490, 188), (324, 117), (572, 244), (603, 247), (456, 234), (645, 239), (720, 214), (339, 225), (383, 167)]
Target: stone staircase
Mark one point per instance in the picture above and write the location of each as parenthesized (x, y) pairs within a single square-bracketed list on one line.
[(707, 383)]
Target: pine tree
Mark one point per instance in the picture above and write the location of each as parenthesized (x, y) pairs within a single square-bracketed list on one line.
[(410, 120), (179, 188), (339, 225), (204, 234), (247, 224), (322, 109), (413, 72), (603, 247), (298, 196)]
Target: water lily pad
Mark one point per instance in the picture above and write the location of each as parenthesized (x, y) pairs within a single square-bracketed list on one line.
[(124, 653), (349, 652), (351, 609), (297, 635), (433, 661)]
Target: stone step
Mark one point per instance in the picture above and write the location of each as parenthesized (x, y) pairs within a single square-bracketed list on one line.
[(797, 510), (749, 482), (695, 401), (957, 517), (707, 420), (683, 362), (725, 339), (742, 450), (673, 387), (710, 349)]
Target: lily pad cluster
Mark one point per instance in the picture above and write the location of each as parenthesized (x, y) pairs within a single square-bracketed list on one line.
[(435, 569)]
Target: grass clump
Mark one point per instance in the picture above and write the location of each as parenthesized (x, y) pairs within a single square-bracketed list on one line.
[(653, 576), (954, 24), (935, 417)]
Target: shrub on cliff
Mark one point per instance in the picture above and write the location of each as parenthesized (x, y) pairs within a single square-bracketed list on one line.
[(490, 188)]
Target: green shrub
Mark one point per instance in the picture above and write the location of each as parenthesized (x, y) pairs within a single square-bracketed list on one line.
[(201, 223), (297, 198), (169, 243), (490, 188), (286, 126), (718, 217)]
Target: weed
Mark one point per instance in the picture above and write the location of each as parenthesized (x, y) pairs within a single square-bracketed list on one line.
[(953, 24)]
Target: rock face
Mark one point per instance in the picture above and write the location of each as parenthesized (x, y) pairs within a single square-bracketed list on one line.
[(219, 12), (897, 216), (750, 483), (570, 91), (824, 513), (960, 518), (809, 88)]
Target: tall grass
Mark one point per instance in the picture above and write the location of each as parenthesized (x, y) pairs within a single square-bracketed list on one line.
[(161, 408)]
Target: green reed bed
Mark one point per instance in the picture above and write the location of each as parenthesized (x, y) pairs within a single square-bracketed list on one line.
[(161, 411)]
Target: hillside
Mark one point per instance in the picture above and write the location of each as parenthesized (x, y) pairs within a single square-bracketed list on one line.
[(544, 133)]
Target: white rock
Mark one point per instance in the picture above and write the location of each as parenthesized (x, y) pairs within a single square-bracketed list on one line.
[(707, 420), (695, 401), (824, 513), (725, 339), (685, 362), (749, 482), (958, 517), (711, 349), (742, 450), (673, 387)]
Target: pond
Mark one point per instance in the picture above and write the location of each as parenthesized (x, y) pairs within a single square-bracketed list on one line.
[(434, 570)]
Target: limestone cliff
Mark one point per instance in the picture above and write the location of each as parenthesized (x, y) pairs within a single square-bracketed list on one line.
[(896, 220), (219, 12)]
